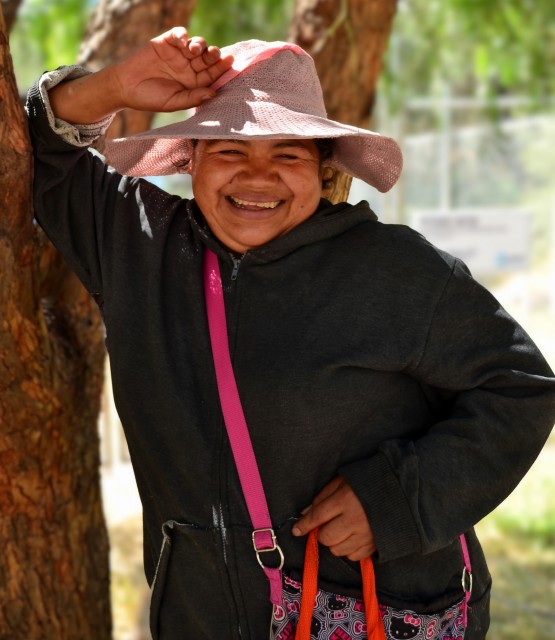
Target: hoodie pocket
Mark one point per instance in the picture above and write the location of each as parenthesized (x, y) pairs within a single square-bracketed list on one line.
[(187, 596)]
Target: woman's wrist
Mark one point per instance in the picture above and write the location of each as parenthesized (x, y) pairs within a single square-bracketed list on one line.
[(87, 99)]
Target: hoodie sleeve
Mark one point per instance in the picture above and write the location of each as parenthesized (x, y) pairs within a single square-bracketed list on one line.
[(74, 192), (499, 395), (81, 135)]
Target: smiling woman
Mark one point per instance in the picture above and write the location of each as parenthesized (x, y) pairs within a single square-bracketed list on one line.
[(252, 191), (371, 367)]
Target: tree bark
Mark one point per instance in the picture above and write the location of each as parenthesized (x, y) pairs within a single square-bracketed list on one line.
[(347, 39), (54, 571), (54, 574)]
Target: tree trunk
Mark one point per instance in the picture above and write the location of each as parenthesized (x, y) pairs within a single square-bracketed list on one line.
[(54, 571), (347, 39)]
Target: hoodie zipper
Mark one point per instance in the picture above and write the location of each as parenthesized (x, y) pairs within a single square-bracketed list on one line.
[(236, 265), (225, 461)]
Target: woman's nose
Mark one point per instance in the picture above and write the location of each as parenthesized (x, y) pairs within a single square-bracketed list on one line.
[(259, 171)]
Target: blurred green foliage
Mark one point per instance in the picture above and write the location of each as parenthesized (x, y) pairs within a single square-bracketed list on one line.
[(47, 34), (224, 23), (478, 46), (529, 515), (484, 47)]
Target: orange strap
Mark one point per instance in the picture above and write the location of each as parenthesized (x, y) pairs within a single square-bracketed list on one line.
[(310, 588), (374, 625)]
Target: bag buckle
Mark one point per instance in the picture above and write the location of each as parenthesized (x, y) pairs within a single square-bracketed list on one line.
[(275, 547), (466, 581)]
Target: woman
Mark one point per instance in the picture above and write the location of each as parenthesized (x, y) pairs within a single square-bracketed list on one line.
[(390, 400)]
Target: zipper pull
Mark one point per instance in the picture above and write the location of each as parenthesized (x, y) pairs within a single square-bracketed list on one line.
[(236, 265)]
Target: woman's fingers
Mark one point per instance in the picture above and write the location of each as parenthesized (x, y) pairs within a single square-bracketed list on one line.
[(190, 61), (176, 37), (328, 490), (197, 46), (355, 547), (341, 519)]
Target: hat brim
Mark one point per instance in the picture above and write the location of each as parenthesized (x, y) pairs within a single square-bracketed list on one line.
[(366, 155)]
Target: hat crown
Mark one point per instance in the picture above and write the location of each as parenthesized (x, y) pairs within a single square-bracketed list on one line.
[(279, 73)]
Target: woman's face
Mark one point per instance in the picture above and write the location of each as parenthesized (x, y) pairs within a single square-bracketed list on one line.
[(251, 192)]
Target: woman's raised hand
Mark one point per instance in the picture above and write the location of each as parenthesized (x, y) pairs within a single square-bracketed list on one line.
[(170, 73)]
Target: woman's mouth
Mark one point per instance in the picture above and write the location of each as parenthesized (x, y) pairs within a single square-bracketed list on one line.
[(253, 205)]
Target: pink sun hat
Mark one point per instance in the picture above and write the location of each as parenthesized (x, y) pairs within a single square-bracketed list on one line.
[(271, 91)]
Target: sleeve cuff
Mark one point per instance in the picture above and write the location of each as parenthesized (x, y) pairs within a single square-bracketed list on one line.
[(386, 506), (79, 135)]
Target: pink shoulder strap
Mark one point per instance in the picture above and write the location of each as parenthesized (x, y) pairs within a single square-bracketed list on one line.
[(263, 536), (466, 577)]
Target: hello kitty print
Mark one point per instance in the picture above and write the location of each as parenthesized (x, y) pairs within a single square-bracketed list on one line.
[(337, 617)]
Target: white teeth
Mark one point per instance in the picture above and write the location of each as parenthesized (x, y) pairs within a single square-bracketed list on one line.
[(247, 203)]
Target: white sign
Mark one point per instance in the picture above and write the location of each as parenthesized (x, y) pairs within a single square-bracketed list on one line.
[(489, 241)]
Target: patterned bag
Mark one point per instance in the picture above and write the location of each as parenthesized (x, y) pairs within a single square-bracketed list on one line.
[(308, 613)]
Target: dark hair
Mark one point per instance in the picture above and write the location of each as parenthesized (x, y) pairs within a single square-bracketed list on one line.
[(325, 148), (181, 164)]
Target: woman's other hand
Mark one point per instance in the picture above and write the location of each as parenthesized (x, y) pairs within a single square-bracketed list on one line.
[(343, 525)]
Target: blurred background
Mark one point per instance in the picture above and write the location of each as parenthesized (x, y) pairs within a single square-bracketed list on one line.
[(467, 89)]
